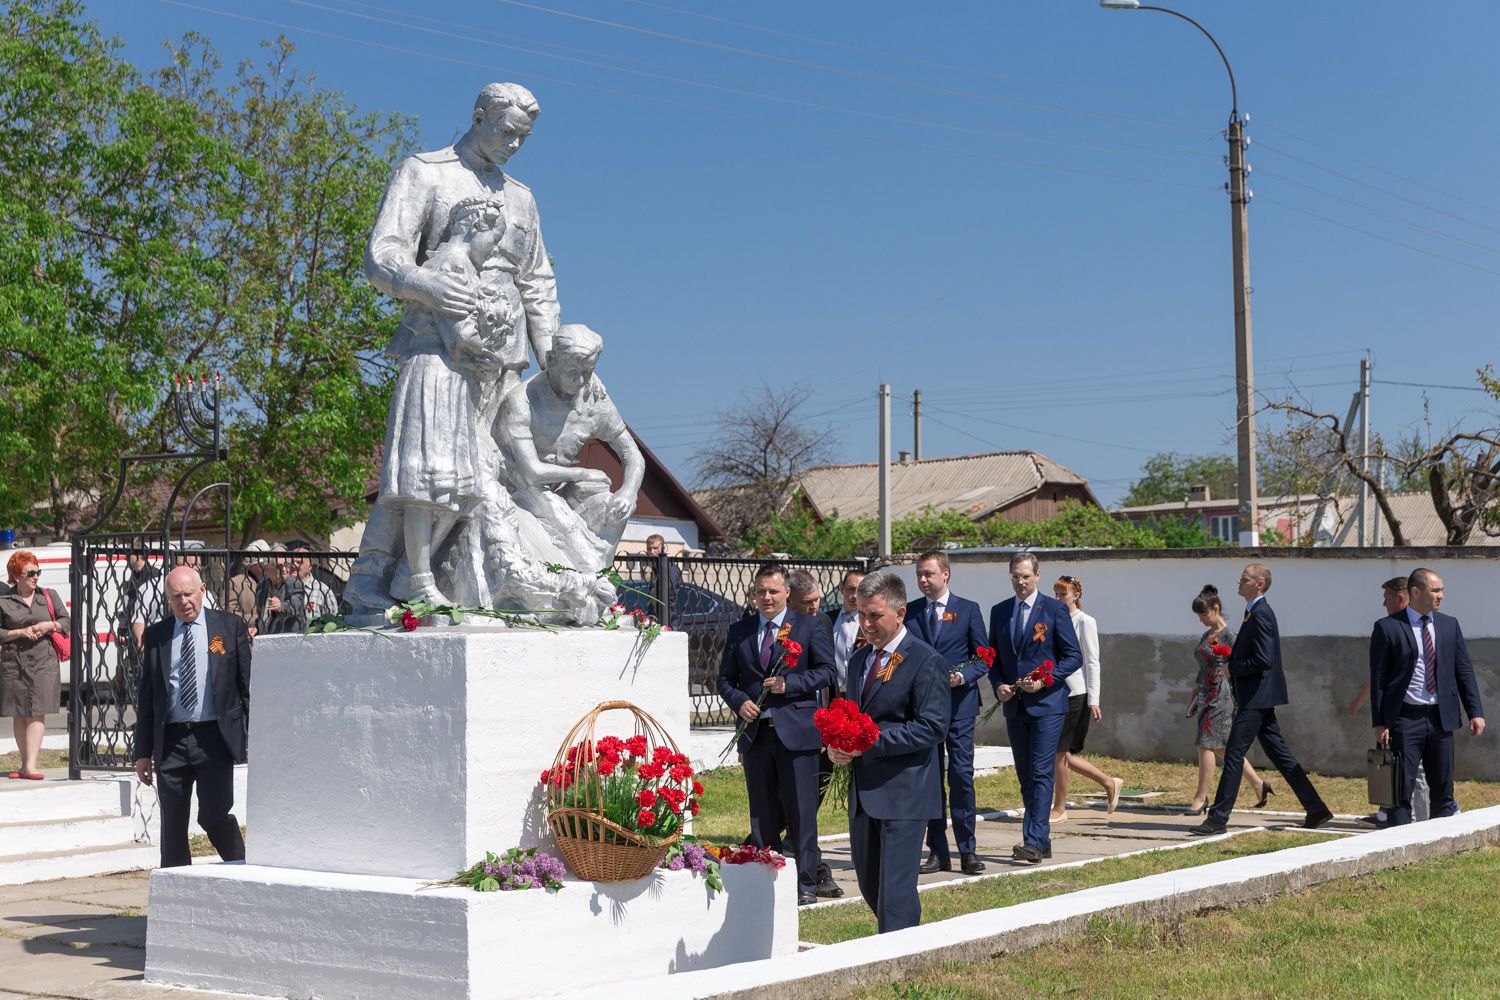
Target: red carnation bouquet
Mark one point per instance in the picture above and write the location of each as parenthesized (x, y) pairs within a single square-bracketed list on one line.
[(645, 794), (1222, 651), (982, 654), (845, 728)]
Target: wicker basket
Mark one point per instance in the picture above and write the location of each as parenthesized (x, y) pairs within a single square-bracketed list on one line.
[(595, 848)]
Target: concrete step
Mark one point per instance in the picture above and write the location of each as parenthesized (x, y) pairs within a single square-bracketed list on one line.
[(74, 833), (43, 801), (44, 865)]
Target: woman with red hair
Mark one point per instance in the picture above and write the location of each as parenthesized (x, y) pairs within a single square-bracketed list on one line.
[(30, 681)]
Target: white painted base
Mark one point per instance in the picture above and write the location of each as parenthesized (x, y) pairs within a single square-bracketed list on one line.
[(411, 754), (286, 933)]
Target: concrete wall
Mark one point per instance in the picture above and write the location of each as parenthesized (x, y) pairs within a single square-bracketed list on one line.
[(1326, 602)]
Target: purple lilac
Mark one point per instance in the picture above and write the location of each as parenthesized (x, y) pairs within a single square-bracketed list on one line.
[(696, 857)]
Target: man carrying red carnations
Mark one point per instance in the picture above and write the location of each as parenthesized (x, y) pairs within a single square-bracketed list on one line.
[(773, 666), (895, 787)]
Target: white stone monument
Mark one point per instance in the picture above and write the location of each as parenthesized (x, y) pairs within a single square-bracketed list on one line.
[(385, 762)]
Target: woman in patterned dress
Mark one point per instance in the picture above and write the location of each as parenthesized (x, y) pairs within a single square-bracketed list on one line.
[(1213, 700)]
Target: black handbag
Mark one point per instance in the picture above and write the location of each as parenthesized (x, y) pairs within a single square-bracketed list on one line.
[(1383, 776)]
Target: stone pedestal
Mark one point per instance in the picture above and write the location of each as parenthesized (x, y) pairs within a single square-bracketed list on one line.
[(385, 761)]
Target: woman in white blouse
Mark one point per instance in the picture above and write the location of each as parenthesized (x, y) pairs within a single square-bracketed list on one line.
[(1083, 706)]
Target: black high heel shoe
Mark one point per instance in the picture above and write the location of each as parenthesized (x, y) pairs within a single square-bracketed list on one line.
[(1199, 811), (1266, 791)]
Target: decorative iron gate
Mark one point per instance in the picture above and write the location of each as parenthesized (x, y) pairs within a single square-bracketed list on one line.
[(703, 596), (117, 581)]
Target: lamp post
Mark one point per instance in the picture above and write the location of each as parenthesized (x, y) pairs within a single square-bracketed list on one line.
[(1244, 368)]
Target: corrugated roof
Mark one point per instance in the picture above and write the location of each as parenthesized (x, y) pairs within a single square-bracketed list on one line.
[(974, 484), (1419, 522)]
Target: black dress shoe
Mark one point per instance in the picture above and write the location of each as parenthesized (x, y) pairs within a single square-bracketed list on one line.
[(1030, 854), (969, 864), (935, 864), (829, 889), (1318, 818), (1208, 828), (806, 898)]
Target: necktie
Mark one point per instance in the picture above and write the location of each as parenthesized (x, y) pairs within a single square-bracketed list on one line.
[(934, 621), (1429, 654), (187, 673), (1020, 624), (768, 646), (872, 670)]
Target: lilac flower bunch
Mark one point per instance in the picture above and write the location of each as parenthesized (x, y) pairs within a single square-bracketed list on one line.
[(517, 868), (691, 855)]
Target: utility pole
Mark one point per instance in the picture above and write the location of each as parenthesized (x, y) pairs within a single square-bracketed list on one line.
[(885, 471), (916, 425), (1364, 441), (1244, 362)]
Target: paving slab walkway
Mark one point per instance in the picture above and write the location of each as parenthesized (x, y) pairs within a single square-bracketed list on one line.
[(85, 938)]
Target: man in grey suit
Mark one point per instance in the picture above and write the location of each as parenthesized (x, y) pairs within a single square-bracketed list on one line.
[(193, 717), (902, 684)]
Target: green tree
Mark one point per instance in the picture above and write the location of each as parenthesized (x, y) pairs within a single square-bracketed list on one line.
[(295, 327), (176, 224), (1167, 476), (94, 270)]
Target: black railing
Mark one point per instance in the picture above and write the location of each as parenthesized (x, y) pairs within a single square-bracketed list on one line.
[(702, 596)]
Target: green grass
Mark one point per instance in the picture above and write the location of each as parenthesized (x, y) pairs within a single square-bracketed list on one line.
[(843, 923), (726, 812), (1425, 930)]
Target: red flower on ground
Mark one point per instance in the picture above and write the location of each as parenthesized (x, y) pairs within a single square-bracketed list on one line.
[(410, 621)]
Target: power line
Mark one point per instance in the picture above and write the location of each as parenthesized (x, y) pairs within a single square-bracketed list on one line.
[(1377, 236), (1376, 187), (840, 71), (1377, 167), (1033, 430), (739, 90), (1429, 385)]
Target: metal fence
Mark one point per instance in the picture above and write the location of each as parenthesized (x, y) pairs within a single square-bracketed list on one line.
[(702, 596), (118, 588)]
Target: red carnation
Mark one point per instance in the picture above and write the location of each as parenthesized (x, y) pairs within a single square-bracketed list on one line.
[(693, 807), (650, 772), (986, 654), (1222, 650), (607, 763), (697, 788), (410, 621), (645, 798), (546, 776), (680, 772), (636, 745), (645, 818), (663, 755)]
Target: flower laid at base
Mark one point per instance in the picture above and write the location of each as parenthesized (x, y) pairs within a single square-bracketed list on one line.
[(694, 857), (745, 854), (518, 868)]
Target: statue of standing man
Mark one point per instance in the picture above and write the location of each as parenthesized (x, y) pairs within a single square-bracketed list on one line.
[(440, 451)]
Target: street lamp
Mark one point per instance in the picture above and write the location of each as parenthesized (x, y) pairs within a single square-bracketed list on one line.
[(1244, 369)]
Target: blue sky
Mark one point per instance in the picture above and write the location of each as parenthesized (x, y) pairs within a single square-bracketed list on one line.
[(1016, 208)]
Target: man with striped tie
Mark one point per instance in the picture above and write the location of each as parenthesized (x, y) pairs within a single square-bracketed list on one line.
[(1419, 674), (193, 717)]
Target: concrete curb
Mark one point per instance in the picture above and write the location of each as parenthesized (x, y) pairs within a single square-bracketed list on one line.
[(975, 937)]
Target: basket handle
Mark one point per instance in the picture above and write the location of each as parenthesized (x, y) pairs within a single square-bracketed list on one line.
[(609, 706)]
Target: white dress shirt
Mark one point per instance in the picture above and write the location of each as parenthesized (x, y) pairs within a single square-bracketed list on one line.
[(1416, 691), (204, 711), (845, 632)]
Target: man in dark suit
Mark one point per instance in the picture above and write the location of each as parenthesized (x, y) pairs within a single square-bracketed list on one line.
[(193, 717), (780, 743), (1027, 630), (1419, 674), (807, 597), (896, 786), (955, 628), (1259, 686), (845, 622)]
